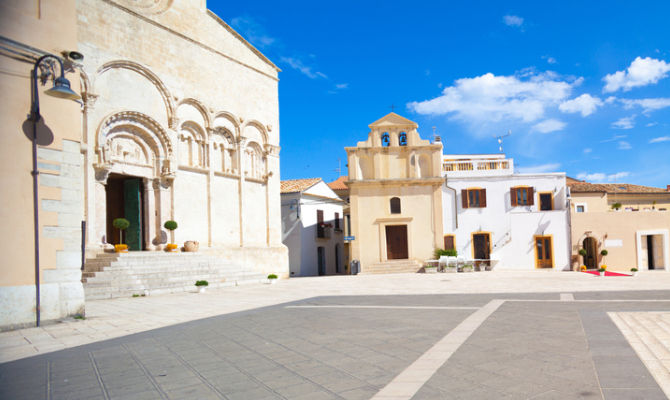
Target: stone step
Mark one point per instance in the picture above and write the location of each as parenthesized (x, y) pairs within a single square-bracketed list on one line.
[(124, 274), (392, 268)]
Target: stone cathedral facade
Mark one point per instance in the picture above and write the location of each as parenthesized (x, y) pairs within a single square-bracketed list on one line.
[(179, 121)]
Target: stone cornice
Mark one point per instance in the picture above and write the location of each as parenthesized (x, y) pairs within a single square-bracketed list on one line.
[(396, 182)]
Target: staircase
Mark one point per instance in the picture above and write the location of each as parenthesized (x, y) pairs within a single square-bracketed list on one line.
[(111, 275), (392, 267)]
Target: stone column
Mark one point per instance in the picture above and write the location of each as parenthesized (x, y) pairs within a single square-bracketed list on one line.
[(149, 211), (99, 198), (241, 144), (273, 196)]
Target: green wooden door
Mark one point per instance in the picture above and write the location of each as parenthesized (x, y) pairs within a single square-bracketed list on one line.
[(132, 208)]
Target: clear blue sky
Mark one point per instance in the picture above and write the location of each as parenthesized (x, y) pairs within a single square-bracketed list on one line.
[(583, 86)]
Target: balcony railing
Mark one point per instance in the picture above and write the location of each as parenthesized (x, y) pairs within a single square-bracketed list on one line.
[(477, 167)]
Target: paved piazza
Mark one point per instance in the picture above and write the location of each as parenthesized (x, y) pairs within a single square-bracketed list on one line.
[(489, 335)]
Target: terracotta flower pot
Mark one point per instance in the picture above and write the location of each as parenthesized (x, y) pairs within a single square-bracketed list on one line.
[(191, 246)]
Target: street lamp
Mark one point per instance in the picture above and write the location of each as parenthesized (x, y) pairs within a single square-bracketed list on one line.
[(61, 89)]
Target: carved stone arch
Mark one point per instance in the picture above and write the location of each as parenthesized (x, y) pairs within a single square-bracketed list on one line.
[(254, 160), (224, 150), (233, 120), (139, 128), (197, 104), (260, 128), (151, 77), (193, 142)]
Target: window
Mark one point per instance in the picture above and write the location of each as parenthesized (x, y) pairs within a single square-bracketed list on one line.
[(402, 139), (320, 231), (395, 205), (472, 198), (580, 207), (449, 242), (386, 139), (337, 221), (521, 196)]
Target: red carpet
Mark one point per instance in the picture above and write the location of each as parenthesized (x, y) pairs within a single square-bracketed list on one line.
[(607, 273)]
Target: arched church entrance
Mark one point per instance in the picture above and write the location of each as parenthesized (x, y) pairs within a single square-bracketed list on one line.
[(125, 199), (590, 259)]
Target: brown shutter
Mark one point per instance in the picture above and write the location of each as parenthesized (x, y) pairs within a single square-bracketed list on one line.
[(464, 197), (449, 242), (512, 194), (482, 197), (531, 196)]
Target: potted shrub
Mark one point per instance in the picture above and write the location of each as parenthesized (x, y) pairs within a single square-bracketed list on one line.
[(191, 245), (616, 206), (604, 252), (121, 224), (201, 285), (601, 270), (633, 271), (467, 268), (582, 252), (430, 268), (171, 226), (272, 278)]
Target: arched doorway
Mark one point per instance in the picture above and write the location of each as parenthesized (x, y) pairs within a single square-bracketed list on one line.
[(591, 258)]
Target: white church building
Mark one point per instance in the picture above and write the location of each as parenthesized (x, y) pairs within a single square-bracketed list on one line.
[(519, 221)]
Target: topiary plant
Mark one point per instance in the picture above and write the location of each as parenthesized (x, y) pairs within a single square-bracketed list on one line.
[(603, 252), (201, 283), (121, 224), (272, 276), (582, 252), (171, 226), (616, 206)]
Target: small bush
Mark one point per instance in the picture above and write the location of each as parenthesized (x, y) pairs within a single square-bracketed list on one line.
[(582, 252), (121, 223), (633, 270), (136, 295), (437, 253), (616, 206), (272, 276), (170, 225), (201, 283), (603, 252)]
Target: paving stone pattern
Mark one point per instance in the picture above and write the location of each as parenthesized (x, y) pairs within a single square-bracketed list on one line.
[(274, 352), (529, 348)]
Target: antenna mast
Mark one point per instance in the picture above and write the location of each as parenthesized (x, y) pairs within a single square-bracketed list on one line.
[(500, 140)]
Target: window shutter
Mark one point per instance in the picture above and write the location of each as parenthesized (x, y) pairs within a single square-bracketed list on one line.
[(482, 198), (531, 196), (512, 194), (464, 197)]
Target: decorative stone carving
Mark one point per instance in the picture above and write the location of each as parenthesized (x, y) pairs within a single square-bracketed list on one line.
[(146, 6)]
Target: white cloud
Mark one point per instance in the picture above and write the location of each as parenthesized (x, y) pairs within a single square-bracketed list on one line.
[(549, 59), (587, 150), (624, 123), (539, 168), (490, 99), (660, 139), (648, 105), (342, 86), (298, 65), (641, 72), (623, 145), (252, 31), (649, 125), (548, 125), (617, 176), (596, 177), (601, 177), (614, 138), (584, 104), (512, 20)]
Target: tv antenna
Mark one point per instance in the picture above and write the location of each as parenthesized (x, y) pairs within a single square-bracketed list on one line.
[(500, 140), (339, 167)]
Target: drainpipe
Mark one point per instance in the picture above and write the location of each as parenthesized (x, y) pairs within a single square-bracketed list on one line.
[(455, 201)]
